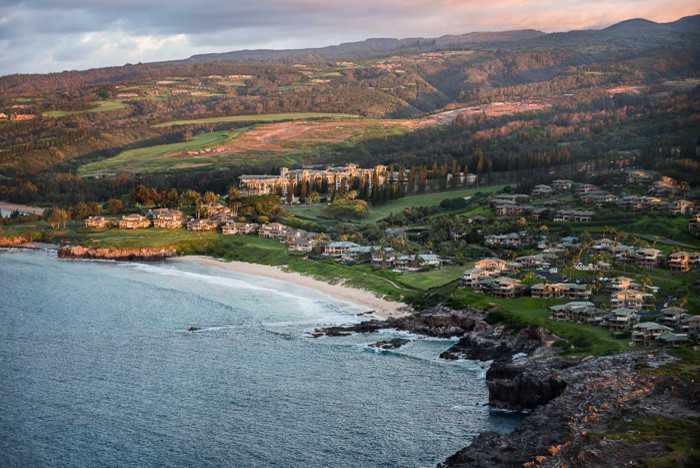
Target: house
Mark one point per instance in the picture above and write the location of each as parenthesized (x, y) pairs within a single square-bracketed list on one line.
[(301, 244), (671, 317), (680, 207), (621, 283), (603, 245), (355, 254), (562, 184), (97, 222), (622, 319), (638, 178), (472, 277), (165, 218), (692, 326), (337, 249), (201, 224), (694, 222), (665, 186), (569, 312), (647, 333), (585, 188), (628, 298), (506, 240), (492, 264), (630, 203), (502, 287), (684, 261), (133, 221), (531, 261), (573, 216), (210, 209), (560, 290), (233, 228), (673, 339), (273, 231), (647, 258), (568, 241), (541, 190)]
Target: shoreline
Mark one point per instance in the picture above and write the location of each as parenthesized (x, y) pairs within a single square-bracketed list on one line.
[(7, 206), (380, 307)]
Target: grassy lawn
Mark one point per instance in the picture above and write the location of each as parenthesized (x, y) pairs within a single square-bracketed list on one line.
[(523, 311), (433, 278), (315, 213), (141, 155), (260, 118), (671, 227), (101, 106)]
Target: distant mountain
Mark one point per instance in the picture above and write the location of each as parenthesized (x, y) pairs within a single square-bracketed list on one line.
[(370, 46), (633, 33)]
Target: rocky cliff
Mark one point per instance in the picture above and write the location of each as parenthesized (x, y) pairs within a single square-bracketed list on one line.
[(14, 241), (584, 412), (477, 339), (76, 251)]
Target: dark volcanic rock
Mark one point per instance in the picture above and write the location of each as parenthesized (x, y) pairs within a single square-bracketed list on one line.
[(493, 343), (595, 396), (524, 387), (390, 344)]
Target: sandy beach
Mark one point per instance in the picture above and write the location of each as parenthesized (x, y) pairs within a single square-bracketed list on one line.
[(381, 307), (7, 206)]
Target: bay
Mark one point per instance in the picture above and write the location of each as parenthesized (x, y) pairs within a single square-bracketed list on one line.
[(98, 368)]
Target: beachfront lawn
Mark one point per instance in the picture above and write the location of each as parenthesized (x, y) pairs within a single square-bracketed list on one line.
[(434, 278)]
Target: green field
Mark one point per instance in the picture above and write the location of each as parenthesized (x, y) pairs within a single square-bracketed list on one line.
[(315, 213), (138, 157), (260, 118), (101, 106)]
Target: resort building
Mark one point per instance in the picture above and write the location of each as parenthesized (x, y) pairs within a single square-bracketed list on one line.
[(684, 261), (629, 299), (647, 334), (560, 290), (134, 221), (97, 222), (502, 287), (202, 224), (621, 320), (279, 184), (338, 249), (273, 231), (233, 228), (166, 218)]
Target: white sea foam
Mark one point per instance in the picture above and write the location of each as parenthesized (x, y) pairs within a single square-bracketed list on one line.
[(315, 308)]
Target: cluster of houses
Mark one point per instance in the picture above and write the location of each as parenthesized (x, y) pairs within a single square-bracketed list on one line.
[(673, 326), (164, 218)]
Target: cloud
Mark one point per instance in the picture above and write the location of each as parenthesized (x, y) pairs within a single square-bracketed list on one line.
[(46, 35)]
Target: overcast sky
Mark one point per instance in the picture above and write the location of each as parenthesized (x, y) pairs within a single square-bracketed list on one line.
[(41, 36)]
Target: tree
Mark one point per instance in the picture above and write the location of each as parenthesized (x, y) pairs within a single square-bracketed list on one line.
[(56, 216), (234, 194), (114, 205), (342, 208)]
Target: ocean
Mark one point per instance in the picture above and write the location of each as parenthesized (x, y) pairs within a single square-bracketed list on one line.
[(98, 368)]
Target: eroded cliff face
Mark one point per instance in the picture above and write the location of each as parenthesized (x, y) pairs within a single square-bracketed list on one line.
[(17, 241), (576, 402), (76, 251)]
